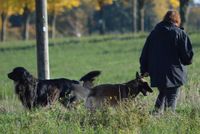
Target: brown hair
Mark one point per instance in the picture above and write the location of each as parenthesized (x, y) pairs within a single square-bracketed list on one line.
[(173, 17)]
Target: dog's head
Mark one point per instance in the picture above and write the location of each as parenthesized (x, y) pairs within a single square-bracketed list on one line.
[(20, 74), (143, 85)]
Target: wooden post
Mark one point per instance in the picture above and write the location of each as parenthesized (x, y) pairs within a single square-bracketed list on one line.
[(42, 39)]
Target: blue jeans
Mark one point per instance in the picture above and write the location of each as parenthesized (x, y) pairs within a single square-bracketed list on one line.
[(167, 98)]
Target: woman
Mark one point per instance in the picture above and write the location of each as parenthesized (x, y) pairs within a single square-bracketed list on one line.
[(165, 54)]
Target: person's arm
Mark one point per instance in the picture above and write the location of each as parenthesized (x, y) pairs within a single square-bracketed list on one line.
[(144, 57), (185, 49)]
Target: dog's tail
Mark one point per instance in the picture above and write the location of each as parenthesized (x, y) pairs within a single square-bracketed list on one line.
[(89, 78)]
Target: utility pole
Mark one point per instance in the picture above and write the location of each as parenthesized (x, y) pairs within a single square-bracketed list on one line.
[(42, 39)]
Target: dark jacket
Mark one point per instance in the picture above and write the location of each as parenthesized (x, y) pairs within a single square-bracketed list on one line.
[(166, 52)]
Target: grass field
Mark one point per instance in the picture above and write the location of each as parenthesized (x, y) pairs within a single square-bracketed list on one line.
[(117, 56)]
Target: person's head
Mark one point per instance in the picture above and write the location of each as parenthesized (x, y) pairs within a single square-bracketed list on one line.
[(173, 17)]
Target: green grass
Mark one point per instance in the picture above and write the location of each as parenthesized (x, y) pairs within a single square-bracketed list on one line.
[(117, 56)]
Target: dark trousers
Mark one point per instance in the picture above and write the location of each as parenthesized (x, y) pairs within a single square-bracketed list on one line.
[(167, 98)]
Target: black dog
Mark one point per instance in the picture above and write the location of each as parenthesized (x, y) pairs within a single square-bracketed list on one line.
[(112, 93), (33, 92)]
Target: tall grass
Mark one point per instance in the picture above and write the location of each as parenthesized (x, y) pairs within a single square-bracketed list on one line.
[(117, 57)]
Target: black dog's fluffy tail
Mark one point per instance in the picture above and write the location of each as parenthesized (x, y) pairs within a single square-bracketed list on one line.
[(90, 76)]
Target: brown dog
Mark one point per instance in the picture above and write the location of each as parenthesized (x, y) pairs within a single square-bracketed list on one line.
[(112, 93)]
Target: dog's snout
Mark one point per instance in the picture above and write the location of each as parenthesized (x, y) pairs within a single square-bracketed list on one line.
[(150, 90), (9, 75)]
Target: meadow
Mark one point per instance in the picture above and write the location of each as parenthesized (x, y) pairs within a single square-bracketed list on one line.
[(117, 56)]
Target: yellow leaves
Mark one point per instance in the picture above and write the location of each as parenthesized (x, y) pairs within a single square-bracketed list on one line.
[(109, 2), (98, 4), (58, 6), (72, 3), (160, 8), (6, 6), (75, 3), (21, 11), (30, 4), (22, 4), (174, 3), (12, 6)]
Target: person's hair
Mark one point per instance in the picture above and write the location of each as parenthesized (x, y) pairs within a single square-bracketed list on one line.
[(173, 17)]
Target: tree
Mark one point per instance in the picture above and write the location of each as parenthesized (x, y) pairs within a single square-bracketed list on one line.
[(6, 8), (137, 14), (134, 11), (160, 8), (99, 5), (26, 7), (174, 4), (141, 13), (3, 26), (184, 4), (9, 7), (55, 7), (89, 11), (194, 23)]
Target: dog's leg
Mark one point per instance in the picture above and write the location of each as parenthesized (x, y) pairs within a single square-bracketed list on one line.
[(90, 103)]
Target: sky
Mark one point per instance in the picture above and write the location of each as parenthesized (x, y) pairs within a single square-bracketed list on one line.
[(197, 1)]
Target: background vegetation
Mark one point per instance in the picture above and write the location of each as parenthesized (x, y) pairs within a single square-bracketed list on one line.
[(86, 17), (117, 57)]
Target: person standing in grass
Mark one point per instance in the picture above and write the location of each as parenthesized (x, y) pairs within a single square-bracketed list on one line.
[(164, 57)]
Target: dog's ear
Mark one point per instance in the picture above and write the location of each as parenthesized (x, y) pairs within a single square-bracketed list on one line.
[(137, 75), (26, 76)]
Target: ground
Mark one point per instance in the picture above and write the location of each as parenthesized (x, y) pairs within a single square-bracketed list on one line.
[(117, 56)]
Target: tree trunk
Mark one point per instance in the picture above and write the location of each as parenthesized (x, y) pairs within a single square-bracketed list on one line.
[(42, 39), (141, 15), (90, 24), (102, 27), (141, 19), (26, 16), (53, 25), (134, 13), (184, 4), (3, 26)]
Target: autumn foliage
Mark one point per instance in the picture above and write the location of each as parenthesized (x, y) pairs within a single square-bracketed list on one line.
[(87, 9)]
